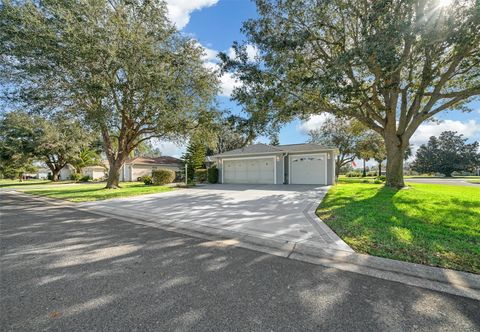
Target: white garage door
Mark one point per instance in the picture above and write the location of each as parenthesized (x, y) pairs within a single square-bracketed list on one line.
[(254, 171), (308, 169)]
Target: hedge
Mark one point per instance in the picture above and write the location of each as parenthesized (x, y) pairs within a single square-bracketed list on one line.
[(163, 176), (213, 174), (201, 175)]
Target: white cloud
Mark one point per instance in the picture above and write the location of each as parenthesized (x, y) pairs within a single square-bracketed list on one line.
[(209, 54), (252, 52), (313, 123), (469, 129), (227, 80), (179, 10)]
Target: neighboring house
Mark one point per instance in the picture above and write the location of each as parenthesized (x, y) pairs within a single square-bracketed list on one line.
[(43, 173), (140, 166), (66, 172), (95, 172), (281, 164)]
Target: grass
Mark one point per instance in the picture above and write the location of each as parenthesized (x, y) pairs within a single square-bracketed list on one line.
[(431, 224), (17, 183), (474, 181), (95, 192)]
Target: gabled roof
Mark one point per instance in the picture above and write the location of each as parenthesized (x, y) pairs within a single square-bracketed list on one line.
[(163, 160), (260, 148)]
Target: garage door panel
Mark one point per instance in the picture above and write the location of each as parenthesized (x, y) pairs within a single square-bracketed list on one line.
[(249, 171), (308, 169)]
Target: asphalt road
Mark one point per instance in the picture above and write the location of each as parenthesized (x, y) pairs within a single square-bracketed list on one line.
[(449, 181), (62, 270)]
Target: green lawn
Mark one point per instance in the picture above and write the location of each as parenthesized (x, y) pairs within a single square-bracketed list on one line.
[(16, 183), (430, 224), (95, 192)]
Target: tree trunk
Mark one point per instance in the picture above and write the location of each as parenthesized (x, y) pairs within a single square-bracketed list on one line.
[(364, 174), (380, 169), (395, 158), (55, 174), (114, 174)]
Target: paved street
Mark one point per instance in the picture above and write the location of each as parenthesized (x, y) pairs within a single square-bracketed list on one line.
[(63, 269), (449, 181)]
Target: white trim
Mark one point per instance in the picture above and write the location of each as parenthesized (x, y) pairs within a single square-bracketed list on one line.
[(307, 154), (244, 158)]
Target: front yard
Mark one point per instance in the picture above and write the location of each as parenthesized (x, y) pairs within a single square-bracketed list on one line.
[(438, 225), (95, 192)]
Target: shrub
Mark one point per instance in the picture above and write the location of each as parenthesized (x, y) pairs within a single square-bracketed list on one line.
[(75, 176), (365, 181), (85, 178), (213, 174), (49, 176), (201, 175), (147, 179), (372, 173), (377, 181), (353, 174), (163, 176), (382, 178)]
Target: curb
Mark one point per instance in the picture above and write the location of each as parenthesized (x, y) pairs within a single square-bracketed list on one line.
[(439, 279)]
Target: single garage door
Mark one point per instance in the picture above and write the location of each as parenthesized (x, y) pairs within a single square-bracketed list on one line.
[(308, 169), (249, 171)]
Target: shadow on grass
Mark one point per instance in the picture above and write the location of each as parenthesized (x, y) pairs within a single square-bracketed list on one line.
[(390, 223)]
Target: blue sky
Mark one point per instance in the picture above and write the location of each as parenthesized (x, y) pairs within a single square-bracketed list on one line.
[(215, 24)]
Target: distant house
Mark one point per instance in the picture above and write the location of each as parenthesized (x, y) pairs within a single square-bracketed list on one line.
[(140, 166), (95, 172), (42, 173)]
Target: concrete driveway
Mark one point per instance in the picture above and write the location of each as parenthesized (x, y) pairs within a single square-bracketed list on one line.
[(278, 212)]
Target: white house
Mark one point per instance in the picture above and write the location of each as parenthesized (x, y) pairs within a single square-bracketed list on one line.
[(140, 166)]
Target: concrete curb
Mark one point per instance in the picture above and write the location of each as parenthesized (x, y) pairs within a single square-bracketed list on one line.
[(434, 278)]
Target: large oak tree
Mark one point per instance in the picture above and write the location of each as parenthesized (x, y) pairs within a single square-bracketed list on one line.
[(391, 64), (118, 64)]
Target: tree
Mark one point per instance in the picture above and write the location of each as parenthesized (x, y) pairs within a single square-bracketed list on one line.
[(274, 139), (343, 134), (194, 157), (86, 157), (446, 154), (230, 133), (56, 142), (390, 64), (119, 65), (147, 149)]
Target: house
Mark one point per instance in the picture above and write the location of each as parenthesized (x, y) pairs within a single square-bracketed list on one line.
[(140, 166), (42, 173), (281, 164), (95, 172)]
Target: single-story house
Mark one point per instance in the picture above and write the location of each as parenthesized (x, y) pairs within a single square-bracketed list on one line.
[(140, 166), (281, 164), (95, 172), (42, 173)]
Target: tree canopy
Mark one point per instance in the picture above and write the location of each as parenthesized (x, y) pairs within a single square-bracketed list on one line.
[(119, 65), (391, 64), (446, 154), (55, 142)]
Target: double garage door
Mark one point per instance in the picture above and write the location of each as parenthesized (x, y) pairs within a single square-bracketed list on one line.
[(255, 171), (303, 169)]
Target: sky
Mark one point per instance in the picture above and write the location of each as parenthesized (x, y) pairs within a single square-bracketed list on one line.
[(216, 24)]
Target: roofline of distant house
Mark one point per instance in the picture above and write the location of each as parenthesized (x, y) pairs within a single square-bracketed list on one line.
[(274, 152), (154, 164)]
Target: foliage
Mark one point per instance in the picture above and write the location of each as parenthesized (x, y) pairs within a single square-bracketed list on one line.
[(231, 133), (213, 174), (146, 149), (162, 176), (55, 141), (146, 179), (201, 175), (95, 192), (391, 66), (274, 139), (120, 66), (75, 176), (430, 224), (85, 178), (446, 154), (87, 157), (194, 157), (355, 174)]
